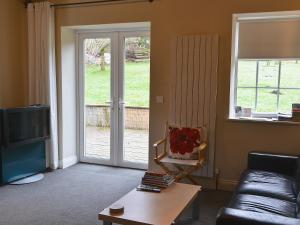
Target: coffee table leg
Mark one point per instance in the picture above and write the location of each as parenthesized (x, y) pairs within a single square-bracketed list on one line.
[(196, 207), (107, 223)]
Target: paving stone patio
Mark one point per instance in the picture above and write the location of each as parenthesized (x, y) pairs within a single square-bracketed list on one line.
[(136, 144)]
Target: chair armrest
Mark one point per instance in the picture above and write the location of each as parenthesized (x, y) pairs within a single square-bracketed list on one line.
[(201, 152), (157, 143), (284, 164), (155, 146), (230, 216), (202, 146)]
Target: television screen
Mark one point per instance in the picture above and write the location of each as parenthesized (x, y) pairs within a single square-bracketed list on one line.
[(23, 124)]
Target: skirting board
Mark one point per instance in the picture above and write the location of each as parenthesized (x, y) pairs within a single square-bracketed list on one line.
[(223, 184), (67, 162), (227, 185)]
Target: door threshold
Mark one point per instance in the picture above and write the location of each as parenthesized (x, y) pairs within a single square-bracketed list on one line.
[(121, 167)]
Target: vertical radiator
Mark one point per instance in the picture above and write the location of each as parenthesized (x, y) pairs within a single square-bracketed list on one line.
[(194, 88)]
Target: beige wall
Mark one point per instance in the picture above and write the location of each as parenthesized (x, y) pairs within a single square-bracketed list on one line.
[(171, 17), (12, 53), (67, 116), (168, 18)]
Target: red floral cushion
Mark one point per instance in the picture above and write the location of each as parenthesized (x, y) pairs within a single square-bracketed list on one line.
[(184, 142)]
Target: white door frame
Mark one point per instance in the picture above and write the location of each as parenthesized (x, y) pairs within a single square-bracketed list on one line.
[(81, 88), (122, 36), (117, 94)]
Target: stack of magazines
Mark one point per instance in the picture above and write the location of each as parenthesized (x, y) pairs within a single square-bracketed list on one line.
[(161, 180)]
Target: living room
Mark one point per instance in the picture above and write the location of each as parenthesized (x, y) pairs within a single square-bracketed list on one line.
[(69, 192)]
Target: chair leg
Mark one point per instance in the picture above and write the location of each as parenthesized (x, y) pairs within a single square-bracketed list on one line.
[(165, 168), (192, 179), (181, 174), (185, 173)]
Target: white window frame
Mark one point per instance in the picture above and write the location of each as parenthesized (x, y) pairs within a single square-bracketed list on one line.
[(236, 20)]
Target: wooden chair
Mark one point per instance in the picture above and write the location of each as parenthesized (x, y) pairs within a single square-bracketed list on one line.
[(184, 167)]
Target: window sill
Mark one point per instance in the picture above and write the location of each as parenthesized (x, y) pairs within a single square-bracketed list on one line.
[(263, 121)]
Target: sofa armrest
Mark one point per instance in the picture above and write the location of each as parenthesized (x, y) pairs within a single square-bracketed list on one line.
[(230, 216), (284, 164)]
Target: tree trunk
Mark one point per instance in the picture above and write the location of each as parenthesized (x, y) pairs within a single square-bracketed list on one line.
[(102, 61)]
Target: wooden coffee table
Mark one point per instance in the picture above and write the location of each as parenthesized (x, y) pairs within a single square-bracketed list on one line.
[(145, 208)]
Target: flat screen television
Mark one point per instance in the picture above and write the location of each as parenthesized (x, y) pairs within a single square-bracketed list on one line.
[(24, 124)]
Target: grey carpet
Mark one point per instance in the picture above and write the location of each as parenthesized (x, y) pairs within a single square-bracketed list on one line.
[(75, 196)]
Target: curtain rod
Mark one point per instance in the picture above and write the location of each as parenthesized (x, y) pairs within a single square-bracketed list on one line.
[(93, 2)]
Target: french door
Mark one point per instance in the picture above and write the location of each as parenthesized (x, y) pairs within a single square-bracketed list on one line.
[(114, 77)]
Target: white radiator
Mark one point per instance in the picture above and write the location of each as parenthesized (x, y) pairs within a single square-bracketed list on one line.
[(194, 88)]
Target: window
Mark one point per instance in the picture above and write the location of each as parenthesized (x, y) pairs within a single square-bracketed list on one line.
[(270, 86), (265, 64)]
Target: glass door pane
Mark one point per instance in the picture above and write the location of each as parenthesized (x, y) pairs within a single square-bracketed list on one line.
[(136, 100), (97, 98)]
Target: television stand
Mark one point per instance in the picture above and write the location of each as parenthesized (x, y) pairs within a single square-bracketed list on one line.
[(29, 180)]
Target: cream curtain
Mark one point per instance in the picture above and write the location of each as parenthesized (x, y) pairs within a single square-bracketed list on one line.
[(42, 72)]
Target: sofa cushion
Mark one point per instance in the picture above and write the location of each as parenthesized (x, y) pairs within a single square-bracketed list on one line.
[(268, 184), (298, 177), (298, 206), (262, 204)]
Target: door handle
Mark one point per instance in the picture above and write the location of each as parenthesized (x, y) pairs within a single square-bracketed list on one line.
[(111, 105), (121, 105)]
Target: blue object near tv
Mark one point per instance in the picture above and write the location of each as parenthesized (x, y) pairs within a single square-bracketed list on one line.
[(23, 132)]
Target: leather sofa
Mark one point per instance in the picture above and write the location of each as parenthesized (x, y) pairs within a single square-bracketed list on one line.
[(268, 192)]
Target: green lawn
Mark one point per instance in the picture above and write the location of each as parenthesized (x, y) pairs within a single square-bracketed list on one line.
[(137, 84), (268, 82)]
